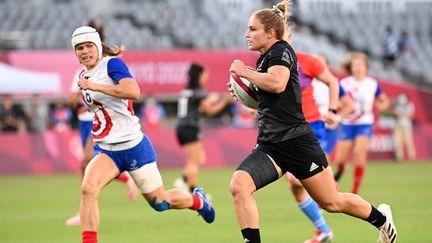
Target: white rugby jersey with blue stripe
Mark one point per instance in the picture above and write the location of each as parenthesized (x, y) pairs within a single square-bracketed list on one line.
[(114, 118), (83, 113), (363, 94)]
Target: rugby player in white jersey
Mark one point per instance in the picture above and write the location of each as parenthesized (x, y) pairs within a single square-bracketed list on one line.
[(108, 89)]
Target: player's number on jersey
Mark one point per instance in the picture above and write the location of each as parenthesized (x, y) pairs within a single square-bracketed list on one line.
[(182, 107), (88, 98)]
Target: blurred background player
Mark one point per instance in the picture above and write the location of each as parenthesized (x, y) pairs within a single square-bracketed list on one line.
[(195, 100), (85, 123), (403, 131), (357, 128), (345, 107), (108, 90)]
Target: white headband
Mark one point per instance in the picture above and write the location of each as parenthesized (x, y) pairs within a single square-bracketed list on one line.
[(85, 34)]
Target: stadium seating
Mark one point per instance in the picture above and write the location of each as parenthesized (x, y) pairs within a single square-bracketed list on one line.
[(332, 27), (361, 24), (46, 24)]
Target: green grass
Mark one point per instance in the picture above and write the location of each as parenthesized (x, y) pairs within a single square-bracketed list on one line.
[(33, 209)]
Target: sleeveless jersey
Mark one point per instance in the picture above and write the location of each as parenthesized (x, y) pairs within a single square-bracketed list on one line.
[(280, 116), (114, 119), (363, 94)]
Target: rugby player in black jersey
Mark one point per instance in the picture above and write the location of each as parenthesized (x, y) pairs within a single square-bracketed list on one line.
[(285, 140)]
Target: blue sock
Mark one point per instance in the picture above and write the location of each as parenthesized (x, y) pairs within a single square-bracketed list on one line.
[(312, 210)]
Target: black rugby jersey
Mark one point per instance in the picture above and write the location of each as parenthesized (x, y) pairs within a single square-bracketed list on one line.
[(280, 116), (188, 106)]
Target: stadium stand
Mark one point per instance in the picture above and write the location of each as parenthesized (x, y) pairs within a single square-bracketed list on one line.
[(361, 24), (332, 27), (45, 24)]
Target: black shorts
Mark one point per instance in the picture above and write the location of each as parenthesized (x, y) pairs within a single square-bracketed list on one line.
[(188, 134), (301, 156)]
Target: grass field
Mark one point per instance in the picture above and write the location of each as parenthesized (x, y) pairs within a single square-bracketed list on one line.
[(33, 209)]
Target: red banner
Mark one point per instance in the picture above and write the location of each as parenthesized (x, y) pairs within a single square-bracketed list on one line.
[(45, 153), (166, 72), (60, 151), (420, 98)]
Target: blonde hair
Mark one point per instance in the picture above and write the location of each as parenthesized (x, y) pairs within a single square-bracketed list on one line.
[(357, 55), (112, 51), (276, 18)]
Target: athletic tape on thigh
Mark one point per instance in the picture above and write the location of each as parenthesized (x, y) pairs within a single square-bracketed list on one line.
[(147, 178), (260, 168)]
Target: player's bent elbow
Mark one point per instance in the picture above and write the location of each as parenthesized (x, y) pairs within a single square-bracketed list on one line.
[(88, 191), (136, 96), (276, 89), (279, 89)]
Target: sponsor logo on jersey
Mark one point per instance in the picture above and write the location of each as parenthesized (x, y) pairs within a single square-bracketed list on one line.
[(313, 167)]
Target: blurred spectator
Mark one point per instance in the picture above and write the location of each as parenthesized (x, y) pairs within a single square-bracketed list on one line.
[(390, 45), (244, 117), (153, 113), (405, 43), (138, 108), (12, 117), (403, 132), (38, 115), (60, 116)]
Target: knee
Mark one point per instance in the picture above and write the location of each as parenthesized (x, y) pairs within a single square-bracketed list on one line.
[(296, 187), (239, 189), (331, 206), (297, 190), (88, 191)]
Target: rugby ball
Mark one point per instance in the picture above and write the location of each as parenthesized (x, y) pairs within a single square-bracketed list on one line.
[(244, 91)]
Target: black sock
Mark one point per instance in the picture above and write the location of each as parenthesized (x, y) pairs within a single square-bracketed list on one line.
[(252, 235), (376, 218)]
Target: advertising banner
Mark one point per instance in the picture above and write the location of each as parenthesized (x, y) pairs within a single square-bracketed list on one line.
[(60, 151)]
